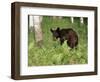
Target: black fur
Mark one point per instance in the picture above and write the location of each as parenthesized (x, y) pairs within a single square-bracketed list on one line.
[(66, 34)]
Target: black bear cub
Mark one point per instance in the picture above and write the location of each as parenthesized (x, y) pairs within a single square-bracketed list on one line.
[(66, 34)]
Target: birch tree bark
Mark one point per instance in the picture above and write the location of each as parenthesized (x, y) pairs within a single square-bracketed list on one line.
[(81, 20), (30, 19), (72, 19), (38, 30)]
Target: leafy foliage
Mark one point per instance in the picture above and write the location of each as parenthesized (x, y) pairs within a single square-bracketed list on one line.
[(52, 53)]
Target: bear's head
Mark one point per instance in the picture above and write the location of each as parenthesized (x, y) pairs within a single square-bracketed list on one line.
[(55, 33)]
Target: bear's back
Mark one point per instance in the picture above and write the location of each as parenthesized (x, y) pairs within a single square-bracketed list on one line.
[(69, 31), (69, 34)]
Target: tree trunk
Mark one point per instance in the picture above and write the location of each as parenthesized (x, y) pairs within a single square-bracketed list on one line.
[(81, 20), (72, 19), (38, 30), (30, 23)]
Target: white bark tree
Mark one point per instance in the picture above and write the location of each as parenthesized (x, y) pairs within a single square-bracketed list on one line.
[(81, 20), (30, 18), (35, 25), (72, 19), (37, 20)]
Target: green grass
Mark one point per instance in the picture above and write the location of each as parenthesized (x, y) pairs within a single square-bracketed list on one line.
[(52, 53)]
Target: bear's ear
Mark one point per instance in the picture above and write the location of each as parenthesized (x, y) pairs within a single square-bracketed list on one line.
[(51, 30), (58, 28)]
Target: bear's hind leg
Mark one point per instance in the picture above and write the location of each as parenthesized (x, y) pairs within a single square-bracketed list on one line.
[(70, 44)]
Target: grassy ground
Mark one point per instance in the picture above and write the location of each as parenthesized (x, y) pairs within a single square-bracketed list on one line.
[(52, 53)]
